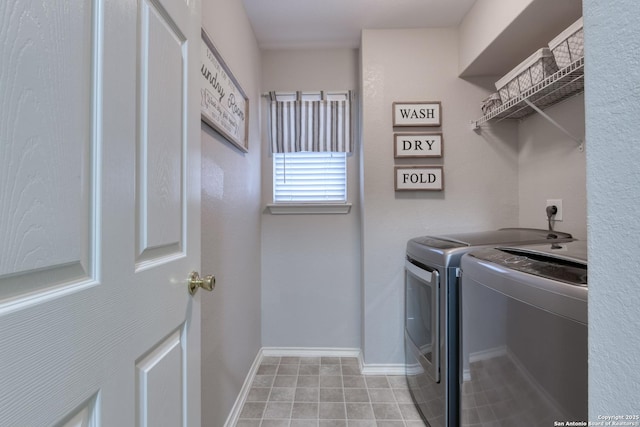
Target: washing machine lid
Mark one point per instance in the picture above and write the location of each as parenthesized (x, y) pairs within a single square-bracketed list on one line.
[(504, 236), (575, 251), (446, 250), (537, 276), (564, 262)]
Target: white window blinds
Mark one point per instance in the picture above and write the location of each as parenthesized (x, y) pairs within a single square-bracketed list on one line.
[(309, 177)]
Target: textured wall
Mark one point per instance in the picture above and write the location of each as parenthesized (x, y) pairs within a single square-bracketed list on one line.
[(230, 225), (481, 171), (550, 166), (613, 153), (310, 263)]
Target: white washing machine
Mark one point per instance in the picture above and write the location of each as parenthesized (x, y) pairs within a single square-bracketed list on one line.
[(431, 314), (524, 335)]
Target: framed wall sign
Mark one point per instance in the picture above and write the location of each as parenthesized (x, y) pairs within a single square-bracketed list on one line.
[(426, 113), (223, 104), (417, 145), (419, 178)]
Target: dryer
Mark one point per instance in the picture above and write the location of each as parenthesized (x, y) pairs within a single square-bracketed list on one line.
[(524, 335), (431, 314)]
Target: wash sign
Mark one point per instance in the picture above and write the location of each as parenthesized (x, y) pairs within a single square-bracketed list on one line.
[(417, 113)]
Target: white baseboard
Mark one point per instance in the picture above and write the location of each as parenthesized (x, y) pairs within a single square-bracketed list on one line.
[(488, 354), (383, 369), (310, 352), (366, 369), (414, 369), (483, 355), (234, 415)]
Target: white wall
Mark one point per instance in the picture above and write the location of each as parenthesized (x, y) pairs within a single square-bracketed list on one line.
[(230, 225), (484, 22), (496, 35), (310, 263), (613, 154), (550, 166), (481, 171)]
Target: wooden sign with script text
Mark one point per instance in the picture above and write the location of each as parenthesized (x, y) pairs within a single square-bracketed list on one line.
[(223, 104)]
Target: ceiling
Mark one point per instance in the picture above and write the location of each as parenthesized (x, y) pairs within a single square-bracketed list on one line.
[(281, 24)]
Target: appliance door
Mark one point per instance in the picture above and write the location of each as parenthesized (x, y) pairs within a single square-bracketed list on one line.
[(422, 317), (520, 362)]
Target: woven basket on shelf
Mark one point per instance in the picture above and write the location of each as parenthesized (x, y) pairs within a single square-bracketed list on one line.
[(529, 72), (568, 46)]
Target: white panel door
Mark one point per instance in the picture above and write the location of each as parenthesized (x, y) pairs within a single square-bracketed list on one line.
[(99, 213)]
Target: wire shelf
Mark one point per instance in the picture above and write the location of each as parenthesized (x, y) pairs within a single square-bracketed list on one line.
[(559, 86)]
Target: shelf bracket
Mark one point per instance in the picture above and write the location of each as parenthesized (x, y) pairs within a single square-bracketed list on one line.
[(556, 124)]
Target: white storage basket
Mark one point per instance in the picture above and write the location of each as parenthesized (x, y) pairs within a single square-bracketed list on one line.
[(531, 71), (490, 103), (568, 46)]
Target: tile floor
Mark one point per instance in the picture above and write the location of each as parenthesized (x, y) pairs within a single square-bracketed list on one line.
[(325, 392)]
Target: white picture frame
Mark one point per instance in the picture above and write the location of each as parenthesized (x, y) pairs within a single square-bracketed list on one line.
[(424, 113), (419, 178), (417, 145)]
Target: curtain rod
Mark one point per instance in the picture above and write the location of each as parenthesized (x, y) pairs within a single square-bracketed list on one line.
[(313, 92)]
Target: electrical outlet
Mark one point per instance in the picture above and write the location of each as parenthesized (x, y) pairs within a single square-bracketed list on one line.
[(558, 204)]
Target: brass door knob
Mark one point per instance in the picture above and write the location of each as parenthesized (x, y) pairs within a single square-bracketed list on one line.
[(207, 283)]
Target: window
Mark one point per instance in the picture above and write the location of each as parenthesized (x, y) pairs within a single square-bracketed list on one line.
[(305, 177), (310, 139)]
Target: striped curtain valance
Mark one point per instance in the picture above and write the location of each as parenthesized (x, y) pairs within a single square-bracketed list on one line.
[(301, 123)]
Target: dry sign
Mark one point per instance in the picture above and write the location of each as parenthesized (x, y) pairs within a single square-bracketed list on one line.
[(417, 145), (414, 178)]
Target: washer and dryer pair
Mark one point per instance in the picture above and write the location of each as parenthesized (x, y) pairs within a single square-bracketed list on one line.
[(456, 321)]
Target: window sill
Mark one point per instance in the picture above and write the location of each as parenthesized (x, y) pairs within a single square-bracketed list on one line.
[(308, 208)]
